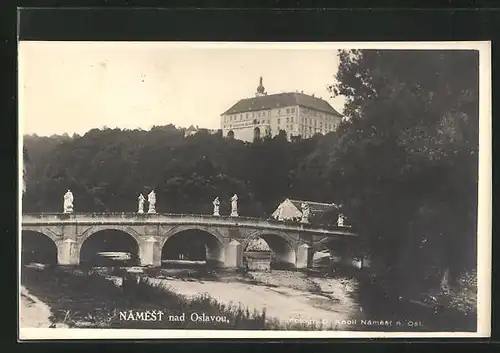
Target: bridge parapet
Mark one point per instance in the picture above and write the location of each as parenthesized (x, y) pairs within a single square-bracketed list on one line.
[(176, 219)]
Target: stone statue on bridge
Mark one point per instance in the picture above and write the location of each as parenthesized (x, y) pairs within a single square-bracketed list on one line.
[(216, 204), (305, 212), (141, 200), (234, 206), (152, 202), (68, 202), (340, 220)]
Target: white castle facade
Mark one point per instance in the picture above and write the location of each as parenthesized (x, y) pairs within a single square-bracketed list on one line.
[(298, 114)]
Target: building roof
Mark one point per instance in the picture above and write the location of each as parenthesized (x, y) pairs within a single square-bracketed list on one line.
[(320, 213), (314, 207), (281, 100)]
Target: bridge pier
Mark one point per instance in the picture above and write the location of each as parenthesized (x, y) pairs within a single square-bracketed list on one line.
[(304, 256), (150, 252), (234, 254), (68, 253)]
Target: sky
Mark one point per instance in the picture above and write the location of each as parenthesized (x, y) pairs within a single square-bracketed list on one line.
[(72, 87)]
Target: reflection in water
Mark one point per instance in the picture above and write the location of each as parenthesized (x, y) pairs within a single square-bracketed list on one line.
[(114, 258)]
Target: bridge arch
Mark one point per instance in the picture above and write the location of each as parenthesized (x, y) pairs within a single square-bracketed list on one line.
[(262, 233), (44, 231), (39, 245), (181, 228), (200, 243), (93, 248), (282, 245), (95, 229)]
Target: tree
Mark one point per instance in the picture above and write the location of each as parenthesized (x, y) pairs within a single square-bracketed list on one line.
[(405, 164)]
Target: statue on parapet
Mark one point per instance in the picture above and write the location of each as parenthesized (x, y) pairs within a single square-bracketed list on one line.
[(234, 206), (340, 220), (216, 204), (68, 202), (305, 213), (152, 202), (141, 200)]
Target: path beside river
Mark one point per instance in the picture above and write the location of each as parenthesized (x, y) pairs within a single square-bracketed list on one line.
[(34, 313)]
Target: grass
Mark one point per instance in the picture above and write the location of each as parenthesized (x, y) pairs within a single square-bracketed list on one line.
[(80, 300)]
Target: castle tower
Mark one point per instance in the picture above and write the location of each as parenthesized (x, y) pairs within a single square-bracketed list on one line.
[(260, 89)]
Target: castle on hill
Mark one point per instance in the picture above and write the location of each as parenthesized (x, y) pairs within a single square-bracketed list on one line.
[(297, 114)]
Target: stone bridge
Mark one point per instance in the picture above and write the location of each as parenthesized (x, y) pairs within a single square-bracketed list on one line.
[(291, 243)]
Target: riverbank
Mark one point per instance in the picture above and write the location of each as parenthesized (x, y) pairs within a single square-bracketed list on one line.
[(84, 300), (279, 300), (33, 312)]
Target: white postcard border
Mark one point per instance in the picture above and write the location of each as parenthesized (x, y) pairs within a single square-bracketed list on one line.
[(484, 243)]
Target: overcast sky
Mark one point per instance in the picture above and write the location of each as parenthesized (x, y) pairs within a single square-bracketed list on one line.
[(73, 87)]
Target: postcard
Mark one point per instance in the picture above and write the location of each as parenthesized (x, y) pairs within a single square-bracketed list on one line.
[(254, 190)]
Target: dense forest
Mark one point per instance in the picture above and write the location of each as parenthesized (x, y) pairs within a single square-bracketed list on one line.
[(404, 164)]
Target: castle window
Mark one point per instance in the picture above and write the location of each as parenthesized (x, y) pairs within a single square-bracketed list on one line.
[(287, 120), (287, 110), (292, 110), (291, 119), (278, 121)]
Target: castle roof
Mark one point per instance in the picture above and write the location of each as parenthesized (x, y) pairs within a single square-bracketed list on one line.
[(281, 100)]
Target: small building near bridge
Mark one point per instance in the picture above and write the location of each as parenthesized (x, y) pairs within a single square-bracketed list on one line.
[(320, 213)]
